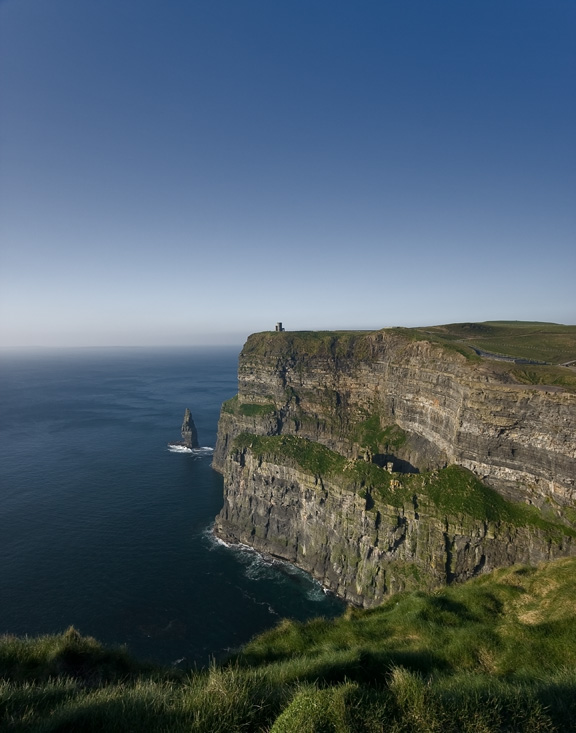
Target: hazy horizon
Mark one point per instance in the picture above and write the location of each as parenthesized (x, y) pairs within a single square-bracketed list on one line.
[(190, 173)]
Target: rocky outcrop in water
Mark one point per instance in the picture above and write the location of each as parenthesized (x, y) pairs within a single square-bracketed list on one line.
[(189, 433), (375, 399)]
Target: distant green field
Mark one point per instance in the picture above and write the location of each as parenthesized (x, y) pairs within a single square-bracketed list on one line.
[(553, 343)]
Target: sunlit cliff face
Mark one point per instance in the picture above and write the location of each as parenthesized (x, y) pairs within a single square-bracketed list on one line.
[(305, 447)]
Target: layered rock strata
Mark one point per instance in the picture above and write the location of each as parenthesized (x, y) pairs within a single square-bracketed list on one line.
[(361, 548), (412, 406)]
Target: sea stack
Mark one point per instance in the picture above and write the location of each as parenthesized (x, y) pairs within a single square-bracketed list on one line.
[(189, 434)]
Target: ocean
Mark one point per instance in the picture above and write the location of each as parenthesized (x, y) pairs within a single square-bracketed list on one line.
[(103, 527)]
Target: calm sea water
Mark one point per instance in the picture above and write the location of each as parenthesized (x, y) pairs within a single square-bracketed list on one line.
[(102, 527)]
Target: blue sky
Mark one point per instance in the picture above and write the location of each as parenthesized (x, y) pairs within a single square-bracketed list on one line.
[(189, 171)]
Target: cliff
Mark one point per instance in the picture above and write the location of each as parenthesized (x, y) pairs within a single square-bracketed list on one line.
[(389, 460)]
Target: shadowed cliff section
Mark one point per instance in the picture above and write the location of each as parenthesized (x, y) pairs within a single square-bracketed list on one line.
[(336, 450)]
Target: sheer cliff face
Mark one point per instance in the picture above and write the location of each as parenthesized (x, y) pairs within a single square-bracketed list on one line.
[(520, 439), (363, 550), (385, 398)]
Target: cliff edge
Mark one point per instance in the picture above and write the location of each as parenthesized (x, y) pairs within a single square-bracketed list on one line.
[(396, 459)]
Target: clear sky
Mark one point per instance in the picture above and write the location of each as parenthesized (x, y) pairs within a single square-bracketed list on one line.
[(190, 171)]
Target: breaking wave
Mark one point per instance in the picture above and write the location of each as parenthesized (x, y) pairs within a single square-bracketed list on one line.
[(203, 451), (259, 566)]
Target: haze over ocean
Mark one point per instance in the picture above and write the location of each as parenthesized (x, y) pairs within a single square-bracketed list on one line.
[(104, 528), (188, 172)]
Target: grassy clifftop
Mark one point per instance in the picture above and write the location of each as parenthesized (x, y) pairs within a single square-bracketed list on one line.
[(553, 343), (309, 343), (545, 347), (495, 654)]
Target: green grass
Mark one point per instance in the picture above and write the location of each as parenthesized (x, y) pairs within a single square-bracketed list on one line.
[(550, 342), (546, 375), (512, 623), (328, 344), (310, 456), (230, 407), (371, 435), (249, 409), (453, 491), (69, 654), (497, 654)]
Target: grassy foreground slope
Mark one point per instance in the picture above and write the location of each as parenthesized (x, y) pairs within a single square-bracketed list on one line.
[(495, 654)]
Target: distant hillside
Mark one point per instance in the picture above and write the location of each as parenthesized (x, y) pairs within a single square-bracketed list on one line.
[(552, 343), (495, 654), (532, 353)]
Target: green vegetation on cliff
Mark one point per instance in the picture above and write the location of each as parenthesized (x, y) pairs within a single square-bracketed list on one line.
[(551, 344), (233, 406), (310, 456), (453, 491), (493, 655), (370, 434), (554, 343), (312, 343), (544, 375)]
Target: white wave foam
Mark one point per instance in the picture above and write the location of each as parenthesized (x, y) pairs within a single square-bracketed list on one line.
[(259, 566), (317, 593), (238, 547), (203, 451), (211, 539)]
